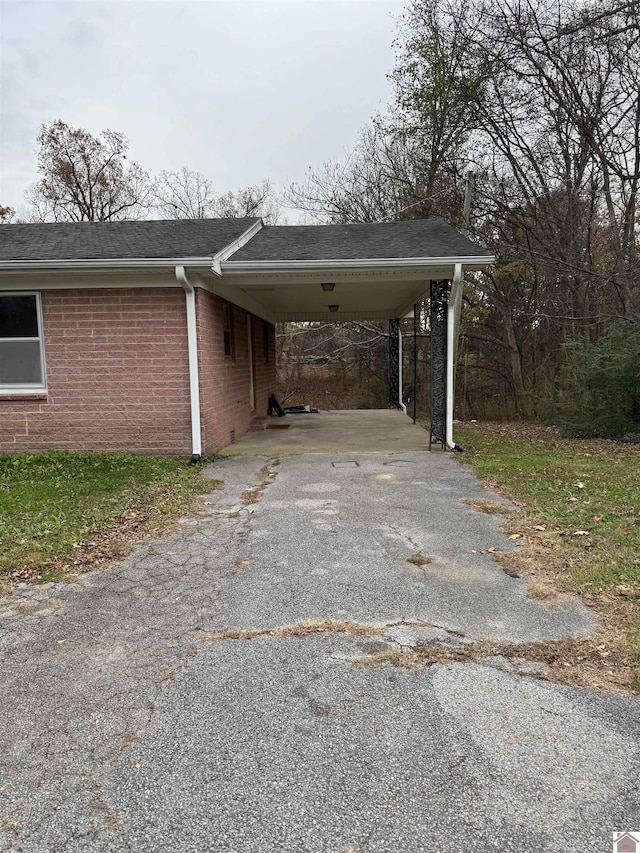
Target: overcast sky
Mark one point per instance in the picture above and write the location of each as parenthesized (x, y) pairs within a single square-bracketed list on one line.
[(240, 91)]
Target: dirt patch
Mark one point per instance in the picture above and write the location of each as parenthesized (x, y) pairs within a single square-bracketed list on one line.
[(266, 476), (488, 507), (584, 662), (8, 824), (127, 739), (419, 559)]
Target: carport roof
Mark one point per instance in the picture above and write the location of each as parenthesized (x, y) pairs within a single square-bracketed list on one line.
[(419, 238)]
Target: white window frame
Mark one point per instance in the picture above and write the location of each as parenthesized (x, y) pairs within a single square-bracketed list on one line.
[(31, 388)]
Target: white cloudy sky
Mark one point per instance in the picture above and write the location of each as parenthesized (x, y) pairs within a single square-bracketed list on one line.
[(240, 91)]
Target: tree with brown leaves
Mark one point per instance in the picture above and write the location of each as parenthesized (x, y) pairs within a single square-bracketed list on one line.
[(85, 177)]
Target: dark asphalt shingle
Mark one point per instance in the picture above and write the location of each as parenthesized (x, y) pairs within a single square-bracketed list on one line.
[(180, 238), (418, 238)]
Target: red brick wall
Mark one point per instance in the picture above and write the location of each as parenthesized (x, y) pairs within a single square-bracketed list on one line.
[(224, 382), (117, 373)]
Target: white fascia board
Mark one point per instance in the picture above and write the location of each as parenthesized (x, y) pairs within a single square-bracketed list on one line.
[(103, 264), (352, 263), (232, 248)]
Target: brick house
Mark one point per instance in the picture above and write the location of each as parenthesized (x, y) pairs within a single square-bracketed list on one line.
[(159, 336)]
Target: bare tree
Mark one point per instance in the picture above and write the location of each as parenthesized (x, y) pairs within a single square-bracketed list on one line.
[(257, 200), (184, 194), (85, 177), (382, 178), (7, 214)]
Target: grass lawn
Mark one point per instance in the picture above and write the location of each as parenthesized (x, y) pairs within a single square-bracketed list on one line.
[(63, 511), (580, 511)]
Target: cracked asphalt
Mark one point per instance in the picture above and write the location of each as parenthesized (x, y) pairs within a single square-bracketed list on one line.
[(125, 727)]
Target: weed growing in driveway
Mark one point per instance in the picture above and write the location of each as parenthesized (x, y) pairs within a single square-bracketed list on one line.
[(580, 662), (579, 515), (60, 510)]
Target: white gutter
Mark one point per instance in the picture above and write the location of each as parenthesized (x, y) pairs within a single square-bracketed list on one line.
[(104, 263), (194, 382), (352, 263), (232, 248), (456, 289)]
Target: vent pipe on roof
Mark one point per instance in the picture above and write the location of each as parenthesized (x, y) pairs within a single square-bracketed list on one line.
[(194, 382)]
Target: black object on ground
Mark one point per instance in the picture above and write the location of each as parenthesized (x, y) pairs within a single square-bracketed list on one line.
[(301, 410), (274, 406)]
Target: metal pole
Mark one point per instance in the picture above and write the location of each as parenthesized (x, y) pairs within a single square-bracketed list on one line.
[(415, 361)]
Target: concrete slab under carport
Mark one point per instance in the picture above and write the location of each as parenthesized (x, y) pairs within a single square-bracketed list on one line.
[(343, 431)]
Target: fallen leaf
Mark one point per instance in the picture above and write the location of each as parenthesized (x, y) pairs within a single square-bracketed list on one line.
[(579, 485), (573, 500), (581, 533), (491, 550), (540, 527), (597, 517), (623, 529), (516, 536)]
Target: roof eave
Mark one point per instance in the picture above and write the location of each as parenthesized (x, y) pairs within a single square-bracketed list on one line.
[(352, 263), (102, 263)]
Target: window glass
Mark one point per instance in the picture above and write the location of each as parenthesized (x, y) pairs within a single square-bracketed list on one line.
[(18, 316), (20, 363), (20, 342), (227, 324)]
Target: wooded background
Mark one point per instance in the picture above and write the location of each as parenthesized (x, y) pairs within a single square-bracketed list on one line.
[(538, 104)]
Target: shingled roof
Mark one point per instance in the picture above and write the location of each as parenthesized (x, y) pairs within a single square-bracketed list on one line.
[(174, 238), (203, 238), (418, 238)]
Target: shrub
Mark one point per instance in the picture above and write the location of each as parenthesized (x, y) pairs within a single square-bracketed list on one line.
[(598, 391)]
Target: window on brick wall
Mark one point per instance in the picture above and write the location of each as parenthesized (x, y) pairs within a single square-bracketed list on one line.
[(265, 341), (227, 327), (21, 346)]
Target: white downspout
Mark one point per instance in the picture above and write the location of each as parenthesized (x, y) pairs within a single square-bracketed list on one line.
[(402, 405), (194, 382), (454, 298)]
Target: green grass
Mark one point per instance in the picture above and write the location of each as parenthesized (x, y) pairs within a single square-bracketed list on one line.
[(567, 486), (53, 503), (571, 485)]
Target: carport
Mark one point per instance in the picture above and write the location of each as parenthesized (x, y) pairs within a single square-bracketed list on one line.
[(341, 431), (373, 271)]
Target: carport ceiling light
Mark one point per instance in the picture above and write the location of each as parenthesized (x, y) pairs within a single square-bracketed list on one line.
[(333, 308), (328, 285)]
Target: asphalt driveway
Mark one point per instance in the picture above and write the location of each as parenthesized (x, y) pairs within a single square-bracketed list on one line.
[(132, 720)]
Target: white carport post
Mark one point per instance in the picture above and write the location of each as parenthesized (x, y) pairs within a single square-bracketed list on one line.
[(453, 307), (194, 381)]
